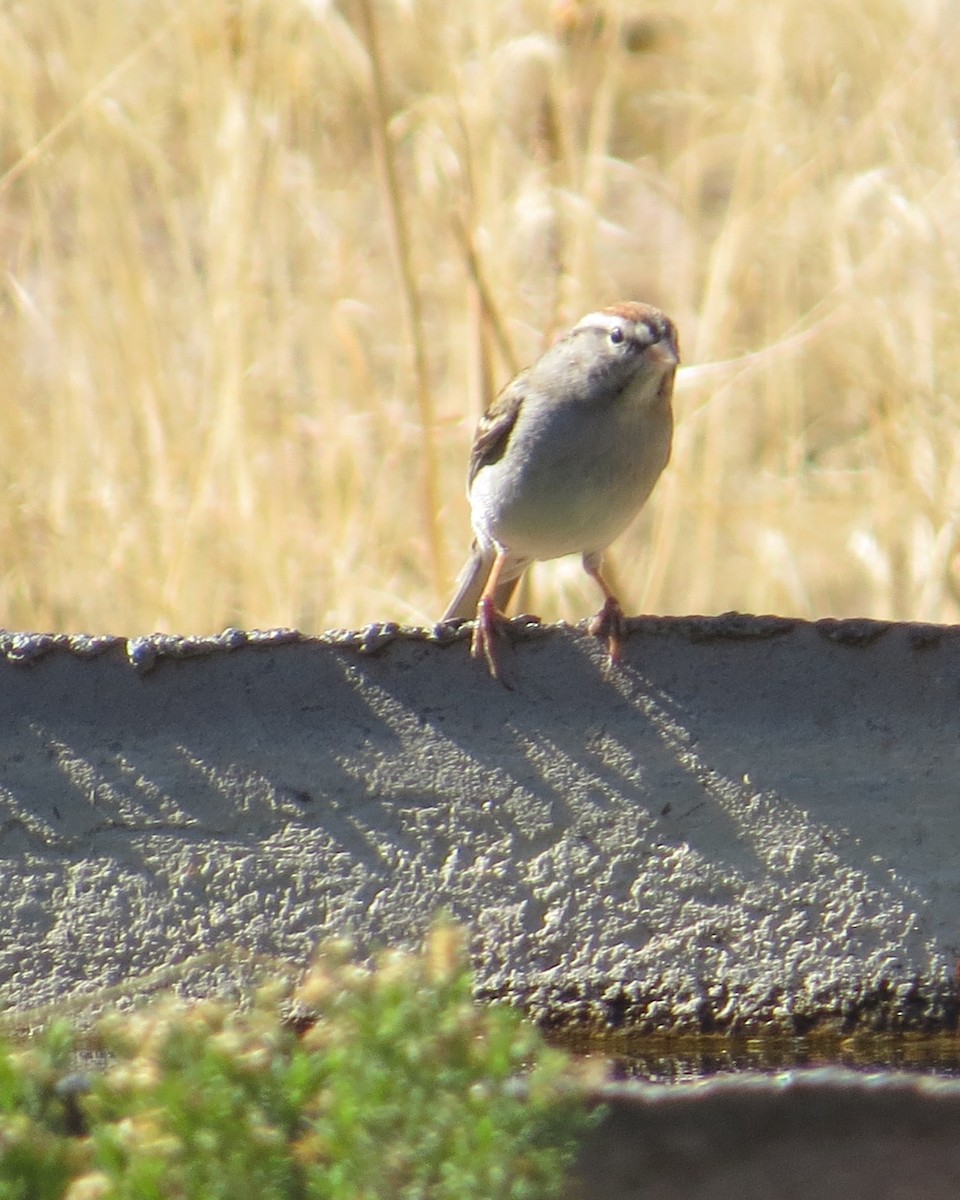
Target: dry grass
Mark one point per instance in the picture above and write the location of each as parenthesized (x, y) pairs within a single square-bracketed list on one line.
[(257, 285)]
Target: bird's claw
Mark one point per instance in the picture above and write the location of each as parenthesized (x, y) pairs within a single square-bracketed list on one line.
[(488, 627), (610, 624)]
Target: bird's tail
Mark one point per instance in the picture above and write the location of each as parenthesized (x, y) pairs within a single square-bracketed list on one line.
[(470, 584)]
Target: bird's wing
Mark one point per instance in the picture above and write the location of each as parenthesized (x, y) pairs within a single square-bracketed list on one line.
[(489, 443), (496, 425)]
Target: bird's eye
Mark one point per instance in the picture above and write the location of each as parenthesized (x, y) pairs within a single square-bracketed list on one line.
[(616, 335)]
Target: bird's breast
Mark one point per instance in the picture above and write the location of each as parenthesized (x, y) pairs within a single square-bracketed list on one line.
[(566, 485)]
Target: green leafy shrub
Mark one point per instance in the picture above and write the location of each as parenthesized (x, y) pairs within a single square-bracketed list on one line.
[(38, 1156), (397, 1085)]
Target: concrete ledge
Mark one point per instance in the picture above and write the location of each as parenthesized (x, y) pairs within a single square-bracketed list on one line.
[(754, 823), (792, 1136)]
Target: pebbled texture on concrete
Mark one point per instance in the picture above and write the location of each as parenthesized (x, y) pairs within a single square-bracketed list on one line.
[(754, 823)]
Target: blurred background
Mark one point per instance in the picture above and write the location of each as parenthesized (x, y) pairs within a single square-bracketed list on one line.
[(265, 261)]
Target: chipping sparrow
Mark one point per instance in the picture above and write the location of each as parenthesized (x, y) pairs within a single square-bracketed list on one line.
[(563, 460)]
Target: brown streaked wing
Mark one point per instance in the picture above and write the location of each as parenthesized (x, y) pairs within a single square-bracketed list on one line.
[(495, 426)]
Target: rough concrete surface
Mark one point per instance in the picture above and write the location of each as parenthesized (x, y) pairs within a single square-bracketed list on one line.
[(752, 823)]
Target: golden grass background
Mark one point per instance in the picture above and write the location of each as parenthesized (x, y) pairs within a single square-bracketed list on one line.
[(265, 260)]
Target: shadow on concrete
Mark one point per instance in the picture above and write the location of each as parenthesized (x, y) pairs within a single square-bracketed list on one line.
[(744, 825)]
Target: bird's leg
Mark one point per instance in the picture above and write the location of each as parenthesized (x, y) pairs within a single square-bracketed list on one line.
[(609, 623), (488, 618)]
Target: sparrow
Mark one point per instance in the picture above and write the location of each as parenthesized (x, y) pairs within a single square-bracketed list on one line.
[(564, 459)]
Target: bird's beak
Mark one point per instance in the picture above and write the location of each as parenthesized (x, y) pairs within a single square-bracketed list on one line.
[(661, 354)]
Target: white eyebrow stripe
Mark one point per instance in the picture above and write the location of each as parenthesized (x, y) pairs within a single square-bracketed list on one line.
[(602, 320)]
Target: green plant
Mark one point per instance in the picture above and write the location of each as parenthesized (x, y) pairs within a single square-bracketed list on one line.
[(395, 1084), (37, 1115)]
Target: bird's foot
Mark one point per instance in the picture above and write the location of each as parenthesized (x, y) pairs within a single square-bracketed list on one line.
[(488, 628), (610, 624)]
